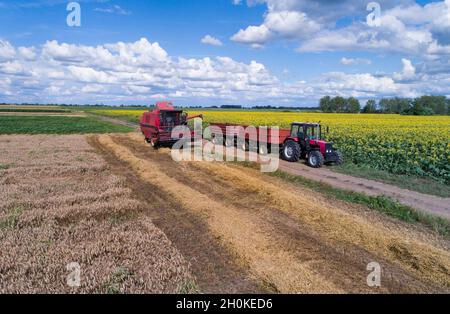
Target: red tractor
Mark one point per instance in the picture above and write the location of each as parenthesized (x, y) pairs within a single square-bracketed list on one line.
[(157, 125), (302, 141), (305, 142)]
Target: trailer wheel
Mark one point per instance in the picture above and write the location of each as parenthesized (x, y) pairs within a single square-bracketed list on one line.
[(215, 141), (315, 159), (263, 149), (291, 151), (253, 146), (229, 141), (245, 146)]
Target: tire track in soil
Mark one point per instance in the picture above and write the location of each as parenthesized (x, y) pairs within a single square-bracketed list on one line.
[(235, 228), (214, 267), (343, 265), (329, 259)]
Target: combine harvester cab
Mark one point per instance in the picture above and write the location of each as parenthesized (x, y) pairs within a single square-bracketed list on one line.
[(157, 125)]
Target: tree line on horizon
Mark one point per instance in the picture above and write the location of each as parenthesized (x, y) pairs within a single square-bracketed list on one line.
[(421, 106)]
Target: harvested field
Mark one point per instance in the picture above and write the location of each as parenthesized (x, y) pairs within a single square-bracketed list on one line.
[(292, 240), (136, 221), (59, 204)]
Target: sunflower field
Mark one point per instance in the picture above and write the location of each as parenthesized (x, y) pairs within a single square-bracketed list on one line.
[(415, 145)]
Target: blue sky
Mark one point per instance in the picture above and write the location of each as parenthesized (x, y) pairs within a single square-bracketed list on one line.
[(285, 52)]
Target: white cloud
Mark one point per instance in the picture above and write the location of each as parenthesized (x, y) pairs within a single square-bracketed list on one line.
[(408, 28), (355, 61), (27, 52), (113, 9), (141, 71), (282, 23), (408, 72), (210, 40), (254, 35), (6, 50)]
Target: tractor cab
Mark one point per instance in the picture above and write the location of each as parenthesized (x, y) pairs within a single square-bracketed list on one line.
[(306, 131)]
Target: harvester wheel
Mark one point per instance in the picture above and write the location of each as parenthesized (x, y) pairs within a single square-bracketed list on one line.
[(315, 159), (291, 151), (154, 143)]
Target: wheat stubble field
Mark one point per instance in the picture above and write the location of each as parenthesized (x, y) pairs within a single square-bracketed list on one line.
[(60, 203), (136, 221)]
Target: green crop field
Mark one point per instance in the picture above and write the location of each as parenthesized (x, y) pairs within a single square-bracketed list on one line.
[(57, 125)]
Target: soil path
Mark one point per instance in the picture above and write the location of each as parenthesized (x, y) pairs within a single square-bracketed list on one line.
[(428, 203)]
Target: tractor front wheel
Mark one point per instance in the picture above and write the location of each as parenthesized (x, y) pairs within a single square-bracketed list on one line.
[(340, 159), (291, 151), (315, 159)]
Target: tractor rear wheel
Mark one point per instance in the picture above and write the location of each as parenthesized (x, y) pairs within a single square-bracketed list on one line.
[(291, 151), (315, 159)]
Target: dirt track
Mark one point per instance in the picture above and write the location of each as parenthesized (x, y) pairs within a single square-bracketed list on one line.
[(427, 203), (244, 233)]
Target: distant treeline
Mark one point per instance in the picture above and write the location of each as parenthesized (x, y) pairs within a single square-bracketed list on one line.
[(228, 107), (425, 105)]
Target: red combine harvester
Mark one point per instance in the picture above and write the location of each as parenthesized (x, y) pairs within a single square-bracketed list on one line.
[(157, 125), (302, 141)]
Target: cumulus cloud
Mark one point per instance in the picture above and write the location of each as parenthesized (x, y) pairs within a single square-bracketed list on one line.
[(406, 27), (355, 61), (253, 35), (142, 71), (408, 72), (277, 23), (210, 40), (113, 9)]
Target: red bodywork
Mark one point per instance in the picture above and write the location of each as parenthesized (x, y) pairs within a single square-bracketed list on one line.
[(237, 130), (230, 130), (320, 143), (157, 125)]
